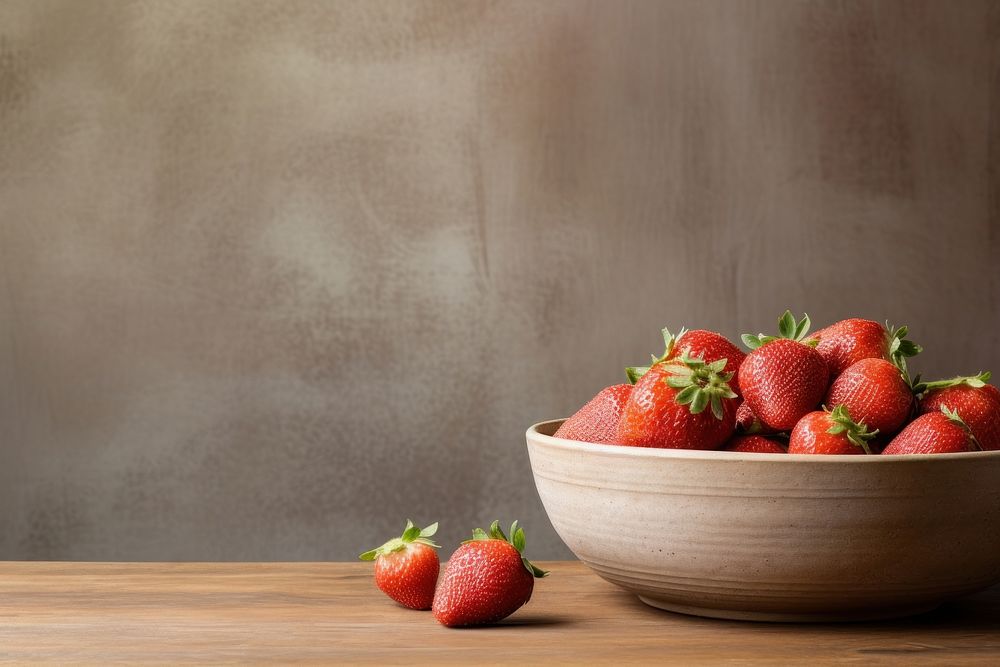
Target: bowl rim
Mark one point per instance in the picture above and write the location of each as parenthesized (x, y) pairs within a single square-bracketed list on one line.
[(717, 455)]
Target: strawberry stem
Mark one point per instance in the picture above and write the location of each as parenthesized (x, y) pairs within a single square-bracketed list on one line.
[(954, 417), (516, 540), (411, 535), (970, 380), (787, 328), (857, 433), (633, 373), (700, 384)]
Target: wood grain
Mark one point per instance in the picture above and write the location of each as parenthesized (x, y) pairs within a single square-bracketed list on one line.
[(325, 613)]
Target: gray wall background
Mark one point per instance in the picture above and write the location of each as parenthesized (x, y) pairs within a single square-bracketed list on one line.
[(276, 276)]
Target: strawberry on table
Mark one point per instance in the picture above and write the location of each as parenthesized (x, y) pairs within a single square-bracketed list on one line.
[(487, 579), (680, 403), (407, 567), (847, 342), (597, 421), (832, 432), (783, 377), (934, 433), (875, 392), (701, 344), (977, 402), (755, 444)]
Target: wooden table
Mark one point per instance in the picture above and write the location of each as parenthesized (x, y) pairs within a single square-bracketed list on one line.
[(329, 613)]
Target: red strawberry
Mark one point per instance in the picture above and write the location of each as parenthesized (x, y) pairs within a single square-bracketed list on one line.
[(756, 444), (597, 421), (976, 401), (705, 345), (783, 378), (934, 433), (747, 422), (667, 406), (874, 392), (486, 579), (833, 432), (406, 568), (849, 341)]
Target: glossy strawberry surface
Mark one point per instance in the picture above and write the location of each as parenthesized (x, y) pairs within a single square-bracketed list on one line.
[(597, 421), (653, 417), (979, 407), (486, 579), (409, 576), (849, 341), (931, 433), (753, 444), (875, 393), (783, 380), (812, 435)]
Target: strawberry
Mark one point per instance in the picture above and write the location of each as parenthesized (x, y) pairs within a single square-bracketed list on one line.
[(822, 432), (875, 392), (486, 579), (756, 444), (705, 345), (976, 401), (934, 433), (597, 421), (667, 406), (847, 342), (783, 377), (407, 567), (747, 422)]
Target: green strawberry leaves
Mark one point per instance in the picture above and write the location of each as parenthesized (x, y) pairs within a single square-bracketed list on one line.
[(700, 384), (900, 349), (787, 328), (857, 433), (633, 373), (516, 540), (411, 534), (970, 380)]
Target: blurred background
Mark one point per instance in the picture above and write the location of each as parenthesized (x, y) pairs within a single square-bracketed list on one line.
[(276, 276)]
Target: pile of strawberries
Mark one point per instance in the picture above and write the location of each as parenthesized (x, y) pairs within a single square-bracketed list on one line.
[(844, 390), (486, 579)]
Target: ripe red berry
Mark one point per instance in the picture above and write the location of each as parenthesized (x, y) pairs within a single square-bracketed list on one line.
[(971, 397), (832, 432), (783, 377), (407, 567), (755, 444), (669, 405), (847, 342), (875, 392), (597, 421), (934, 433), (486, 579)]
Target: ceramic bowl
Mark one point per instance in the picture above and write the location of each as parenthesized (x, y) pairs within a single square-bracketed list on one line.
[(775, 537)]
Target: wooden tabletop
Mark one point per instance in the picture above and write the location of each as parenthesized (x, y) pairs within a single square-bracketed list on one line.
[(175, 613)]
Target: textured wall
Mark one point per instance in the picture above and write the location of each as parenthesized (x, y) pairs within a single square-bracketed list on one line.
[(276, 276)]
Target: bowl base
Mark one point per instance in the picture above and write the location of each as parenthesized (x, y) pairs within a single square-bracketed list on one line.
[(777, 617)]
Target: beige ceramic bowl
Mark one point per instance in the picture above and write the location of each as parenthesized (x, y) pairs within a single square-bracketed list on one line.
[(775, 537)]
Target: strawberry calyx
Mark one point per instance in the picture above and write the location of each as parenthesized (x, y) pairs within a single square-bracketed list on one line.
[(787, 328), (857, 433), (700, 384), (633, 373), (954, 417), (411, 535), (900, 349), (970, 380), (516, 540)]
